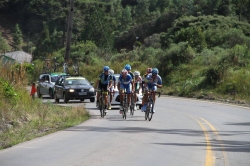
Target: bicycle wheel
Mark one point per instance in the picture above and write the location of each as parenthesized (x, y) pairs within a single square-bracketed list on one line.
[(146, 113), (124, 112), (150, 109), (101, 107), (132, 109), (125, 108)]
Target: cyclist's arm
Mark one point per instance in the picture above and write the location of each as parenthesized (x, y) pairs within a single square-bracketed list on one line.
[(159, 82), (110, 84), (97, 84), (118, 86)]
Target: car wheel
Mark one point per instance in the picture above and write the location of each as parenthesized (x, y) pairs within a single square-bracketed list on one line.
[(66, 100), (39, 95), (92, 100), (51, 94), (56, 99)]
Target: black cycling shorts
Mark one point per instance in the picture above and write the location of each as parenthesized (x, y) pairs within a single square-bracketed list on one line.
[(103, 87)]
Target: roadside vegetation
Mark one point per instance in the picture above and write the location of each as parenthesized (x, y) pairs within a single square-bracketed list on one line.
[(201, 48), (22, 118)]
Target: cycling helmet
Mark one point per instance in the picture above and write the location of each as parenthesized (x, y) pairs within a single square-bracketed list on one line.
[(149, 70), (127, 67), (111, 72), (124, 72), (155, 71), (136, 73), (106, 68)]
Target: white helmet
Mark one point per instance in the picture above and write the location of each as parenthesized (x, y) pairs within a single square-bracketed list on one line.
[(111, 72), (136, 73)]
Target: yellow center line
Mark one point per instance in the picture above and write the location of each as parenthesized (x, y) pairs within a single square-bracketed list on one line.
[(215, 131), (209, 154)]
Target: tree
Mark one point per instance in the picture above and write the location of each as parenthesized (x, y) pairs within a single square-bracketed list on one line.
[(4, 46), (17, 38), (241, 6)]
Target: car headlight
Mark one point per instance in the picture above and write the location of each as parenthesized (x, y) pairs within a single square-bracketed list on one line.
[(91, 90), (71, 90)]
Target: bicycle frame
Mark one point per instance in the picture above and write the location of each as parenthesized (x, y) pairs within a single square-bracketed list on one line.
[(125, 104), (133, 103), (102, 103), (65, 68), (150, 105)]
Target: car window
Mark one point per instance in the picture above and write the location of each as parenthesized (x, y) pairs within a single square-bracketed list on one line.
[(71, 81), (43, 78), (54, 78)]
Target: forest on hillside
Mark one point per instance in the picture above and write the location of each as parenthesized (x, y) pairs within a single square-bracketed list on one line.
[(197, 45)]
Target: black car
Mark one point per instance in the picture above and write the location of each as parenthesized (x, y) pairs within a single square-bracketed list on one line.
[(73, 88)]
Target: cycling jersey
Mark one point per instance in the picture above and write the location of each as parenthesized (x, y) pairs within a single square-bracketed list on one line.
[(125, 83), (113, 83), (104, 81), (138, 81), (131, 74), (151, 81)]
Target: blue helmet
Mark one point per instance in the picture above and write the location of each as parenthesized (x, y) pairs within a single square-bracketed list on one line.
[(106, 68), (155, 71), (127, 67)]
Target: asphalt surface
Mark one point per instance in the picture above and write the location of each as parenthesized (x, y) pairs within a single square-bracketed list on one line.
[(182, 132)]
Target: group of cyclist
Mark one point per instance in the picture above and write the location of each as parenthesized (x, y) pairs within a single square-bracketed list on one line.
[(128, 82)]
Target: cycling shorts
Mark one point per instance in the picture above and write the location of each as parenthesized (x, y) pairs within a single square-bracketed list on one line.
[(103, 87), (151, 87), (125, 87)]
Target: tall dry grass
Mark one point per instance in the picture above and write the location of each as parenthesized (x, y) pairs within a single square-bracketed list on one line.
[(23, 118)]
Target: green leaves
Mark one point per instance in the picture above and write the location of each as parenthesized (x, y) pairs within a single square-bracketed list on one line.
[(17, 38), (7, 90)]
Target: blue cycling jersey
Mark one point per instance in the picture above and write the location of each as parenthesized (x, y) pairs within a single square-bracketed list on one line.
[(125, 81), (105, 79)]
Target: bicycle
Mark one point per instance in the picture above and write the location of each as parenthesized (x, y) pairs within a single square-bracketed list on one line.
[(101, 103), (65, 68), (150, 105), (76, 67), (46, 67), (125, 105), (132, 108), (55, 64)]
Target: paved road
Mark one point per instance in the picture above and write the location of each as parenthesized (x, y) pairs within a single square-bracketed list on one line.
[(181, 133)]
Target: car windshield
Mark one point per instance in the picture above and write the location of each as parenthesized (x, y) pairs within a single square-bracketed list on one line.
[(77, 82), (117, 77), (54, 78)]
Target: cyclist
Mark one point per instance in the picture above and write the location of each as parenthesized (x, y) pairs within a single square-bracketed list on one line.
[(152, 82), (104, 82), (128, 68), (124, 82), (111, 72), (137, 85)]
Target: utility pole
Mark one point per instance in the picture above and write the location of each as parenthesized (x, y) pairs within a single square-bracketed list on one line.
[(69, 31)]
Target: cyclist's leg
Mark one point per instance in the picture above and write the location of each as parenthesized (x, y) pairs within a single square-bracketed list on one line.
[(154, 88), (110, 98), (128, 91), (105, 95), (145, 99), (121, 96)]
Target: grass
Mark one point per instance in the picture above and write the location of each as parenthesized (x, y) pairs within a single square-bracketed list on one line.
[(23, 118)]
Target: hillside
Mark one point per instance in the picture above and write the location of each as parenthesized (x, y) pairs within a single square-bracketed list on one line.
[(199, 48)]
